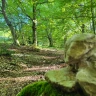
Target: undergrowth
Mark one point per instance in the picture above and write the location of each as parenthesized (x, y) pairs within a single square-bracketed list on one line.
[(4, 51)]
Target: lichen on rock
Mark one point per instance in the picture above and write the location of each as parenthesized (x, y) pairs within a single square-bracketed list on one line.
[(77, 46), (63, 78)]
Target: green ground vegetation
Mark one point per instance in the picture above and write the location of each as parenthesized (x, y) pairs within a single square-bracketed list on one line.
[(43, 88)]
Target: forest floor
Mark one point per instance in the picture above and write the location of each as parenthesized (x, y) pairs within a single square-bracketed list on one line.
[(25, 66)]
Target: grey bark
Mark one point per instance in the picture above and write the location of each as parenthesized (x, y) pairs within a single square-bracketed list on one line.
[(9, 22)]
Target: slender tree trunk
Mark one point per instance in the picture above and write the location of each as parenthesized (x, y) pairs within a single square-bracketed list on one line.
[(83, 28), (15, 42), (65, 39), (50, 40), (34, 26), (92, 12)]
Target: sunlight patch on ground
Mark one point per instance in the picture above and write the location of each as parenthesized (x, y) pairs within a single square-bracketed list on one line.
[(20, 55), (23, 79)]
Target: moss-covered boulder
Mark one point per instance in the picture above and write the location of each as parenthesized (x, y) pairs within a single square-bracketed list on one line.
[(43, 88), (62, 78)]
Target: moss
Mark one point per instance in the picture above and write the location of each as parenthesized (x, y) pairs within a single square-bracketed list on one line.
[(43, 88)]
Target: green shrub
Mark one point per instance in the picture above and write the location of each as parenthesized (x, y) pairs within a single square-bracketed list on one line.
[(5, 51), (43, 88)]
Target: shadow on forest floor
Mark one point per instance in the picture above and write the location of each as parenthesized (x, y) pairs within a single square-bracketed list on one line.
[(25, 66)]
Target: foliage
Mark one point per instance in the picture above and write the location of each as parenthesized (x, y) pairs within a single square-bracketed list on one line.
[(5, 51), (56, 20), (43, 88)]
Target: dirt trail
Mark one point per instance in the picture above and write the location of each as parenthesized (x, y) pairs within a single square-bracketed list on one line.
[(26, 66), (35, 77)]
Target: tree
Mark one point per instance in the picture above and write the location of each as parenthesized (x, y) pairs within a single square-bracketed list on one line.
[(32, 17), (9, 23), (92, 14), (56, 20), (32, 14), (34, 25)]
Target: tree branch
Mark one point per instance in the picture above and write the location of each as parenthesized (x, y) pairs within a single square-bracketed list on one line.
[(23, 10)]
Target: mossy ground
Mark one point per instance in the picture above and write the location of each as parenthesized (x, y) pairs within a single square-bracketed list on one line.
[(43, 88)]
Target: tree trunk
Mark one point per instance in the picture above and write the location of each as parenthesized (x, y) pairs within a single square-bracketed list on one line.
[(15, 42), (92, 12), (83, 28), (49, 36), (50, 40), (34, 26)]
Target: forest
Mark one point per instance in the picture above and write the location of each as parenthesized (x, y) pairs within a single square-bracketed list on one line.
[(37, 36)]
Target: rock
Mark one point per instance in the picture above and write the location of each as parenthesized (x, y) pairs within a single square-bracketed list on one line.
[(86, 78), (89, 60), (62, 78), (79, 45), (81, 50)]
